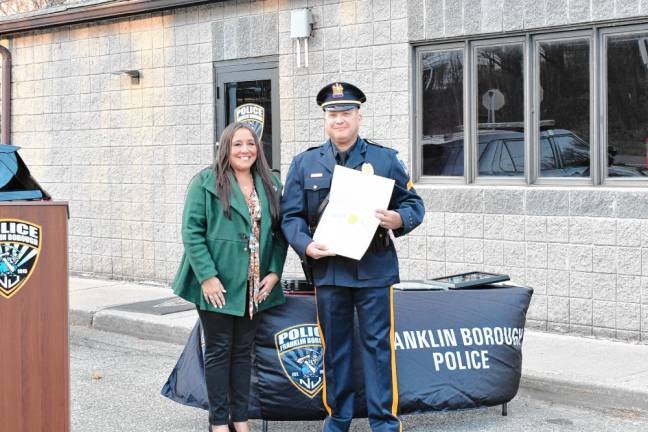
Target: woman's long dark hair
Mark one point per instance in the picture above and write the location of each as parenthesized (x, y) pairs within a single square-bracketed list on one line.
[(223, 168)]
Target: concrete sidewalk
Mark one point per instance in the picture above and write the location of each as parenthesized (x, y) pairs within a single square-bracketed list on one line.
[(566, 369)]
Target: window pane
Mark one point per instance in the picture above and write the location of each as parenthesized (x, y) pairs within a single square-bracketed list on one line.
[(500, 103), (442, 84), (627, 105), (564, 105)]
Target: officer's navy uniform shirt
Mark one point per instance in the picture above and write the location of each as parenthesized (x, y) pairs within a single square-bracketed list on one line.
[(309, 182)]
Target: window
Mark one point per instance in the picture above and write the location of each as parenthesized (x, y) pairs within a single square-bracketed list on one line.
[(499, 102), (442, 94), (247, 90), (627, 104), (564, 101), (525, 109)]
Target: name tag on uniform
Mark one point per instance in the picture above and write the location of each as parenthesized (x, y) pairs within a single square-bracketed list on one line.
[(316, 175)]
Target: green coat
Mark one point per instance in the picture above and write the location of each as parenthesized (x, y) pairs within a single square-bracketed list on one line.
[(217, 246)]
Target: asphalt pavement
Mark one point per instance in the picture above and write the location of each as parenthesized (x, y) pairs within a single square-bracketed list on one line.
[(579, 371), (116, 382)]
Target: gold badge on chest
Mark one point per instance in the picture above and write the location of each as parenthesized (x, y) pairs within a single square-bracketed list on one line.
[(367, 168)]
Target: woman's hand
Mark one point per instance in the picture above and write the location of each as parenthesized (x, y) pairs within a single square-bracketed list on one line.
[(214, 292), (265, 286)]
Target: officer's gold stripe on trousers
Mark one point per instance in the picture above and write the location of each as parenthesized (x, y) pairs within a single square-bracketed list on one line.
[(319, 327), (394, 408), (392, 326)]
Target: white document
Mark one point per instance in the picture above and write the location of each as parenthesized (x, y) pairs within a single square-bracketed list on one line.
[(349, 221)]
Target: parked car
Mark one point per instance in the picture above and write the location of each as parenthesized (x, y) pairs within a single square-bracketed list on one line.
[(501, 153)]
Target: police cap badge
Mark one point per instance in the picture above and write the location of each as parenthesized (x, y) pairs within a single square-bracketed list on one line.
[(340, 96)]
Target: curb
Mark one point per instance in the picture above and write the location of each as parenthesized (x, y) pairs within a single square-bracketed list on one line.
[(581, 394), (144, 326)]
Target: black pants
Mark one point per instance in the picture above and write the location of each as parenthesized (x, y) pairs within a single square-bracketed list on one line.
[(228, 344)]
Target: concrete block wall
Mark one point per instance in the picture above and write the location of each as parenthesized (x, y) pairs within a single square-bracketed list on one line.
[(363, 42), (122, 154), (434, 19), (583, 251)]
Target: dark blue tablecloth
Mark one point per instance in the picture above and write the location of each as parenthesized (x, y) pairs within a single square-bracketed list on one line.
[(454, 349)]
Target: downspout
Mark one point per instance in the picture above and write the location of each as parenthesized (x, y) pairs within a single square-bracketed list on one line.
[(5, 114)]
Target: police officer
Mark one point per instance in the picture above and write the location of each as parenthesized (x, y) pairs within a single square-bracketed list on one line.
[(343, 284)]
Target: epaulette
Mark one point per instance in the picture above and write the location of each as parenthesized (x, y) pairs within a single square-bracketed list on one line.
[(315, 147), (368, 141)]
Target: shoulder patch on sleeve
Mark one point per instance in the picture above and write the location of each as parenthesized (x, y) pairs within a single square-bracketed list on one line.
[(410, 184)]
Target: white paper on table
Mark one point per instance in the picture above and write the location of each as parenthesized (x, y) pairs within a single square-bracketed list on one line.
[(349, 221)]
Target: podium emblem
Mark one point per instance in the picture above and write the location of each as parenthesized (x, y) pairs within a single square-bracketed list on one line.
[(299, 349), (253, 115), (20, 245)]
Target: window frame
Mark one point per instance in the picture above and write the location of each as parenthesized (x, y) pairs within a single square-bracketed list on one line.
[(417, 155), (604, 35), (474, 106), (597, 36), (535, 177), (255, 68)]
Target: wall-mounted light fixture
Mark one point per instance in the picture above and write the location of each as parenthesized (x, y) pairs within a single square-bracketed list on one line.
[(134, 75), (301, 21)]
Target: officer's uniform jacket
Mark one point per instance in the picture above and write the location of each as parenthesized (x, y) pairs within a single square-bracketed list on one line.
[(217, 246), (308, 183)]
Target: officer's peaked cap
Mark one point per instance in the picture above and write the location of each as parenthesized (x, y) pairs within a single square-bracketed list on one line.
[(340, 96)]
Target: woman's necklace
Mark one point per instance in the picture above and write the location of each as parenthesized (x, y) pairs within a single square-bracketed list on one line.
[(246, 185)]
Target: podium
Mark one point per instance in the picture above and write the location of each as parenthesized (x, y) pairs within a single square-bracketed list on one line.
[(34, 356)]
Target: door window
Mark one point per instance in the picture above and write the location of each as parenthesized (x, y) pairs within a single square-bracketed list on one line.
[(251, 102), (249, 92)]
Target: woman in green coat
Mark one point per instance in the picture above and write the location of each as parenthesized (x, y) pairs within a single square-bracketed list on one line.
[(234, 254)]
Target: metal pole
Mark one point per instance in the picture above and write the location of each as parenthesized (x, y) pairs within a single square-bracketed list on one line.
[(5, 114)]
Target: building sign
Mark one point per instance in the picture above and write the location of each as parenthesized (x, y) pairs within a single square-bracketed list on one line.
[(20, 245), (253, 115)]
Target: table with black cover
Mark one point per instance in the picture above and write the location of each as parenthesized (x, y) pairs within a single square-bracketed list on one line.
[(455, 349)]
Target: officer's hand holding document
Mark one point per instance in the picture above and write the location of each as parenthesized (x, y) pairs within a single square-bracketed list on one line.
[(349, 222)]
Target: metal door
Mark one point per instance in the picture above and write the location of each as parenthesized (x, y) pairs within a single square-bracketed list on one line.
[(250, 92)]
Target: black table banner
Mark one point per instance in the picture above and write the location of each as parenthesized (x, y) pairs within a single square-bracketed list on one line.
[(454, 350)]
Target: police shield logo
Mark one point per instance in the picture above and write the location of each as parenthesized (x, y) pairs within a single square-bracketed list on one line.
[(253, 115), (20, 244), (299, 349)]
